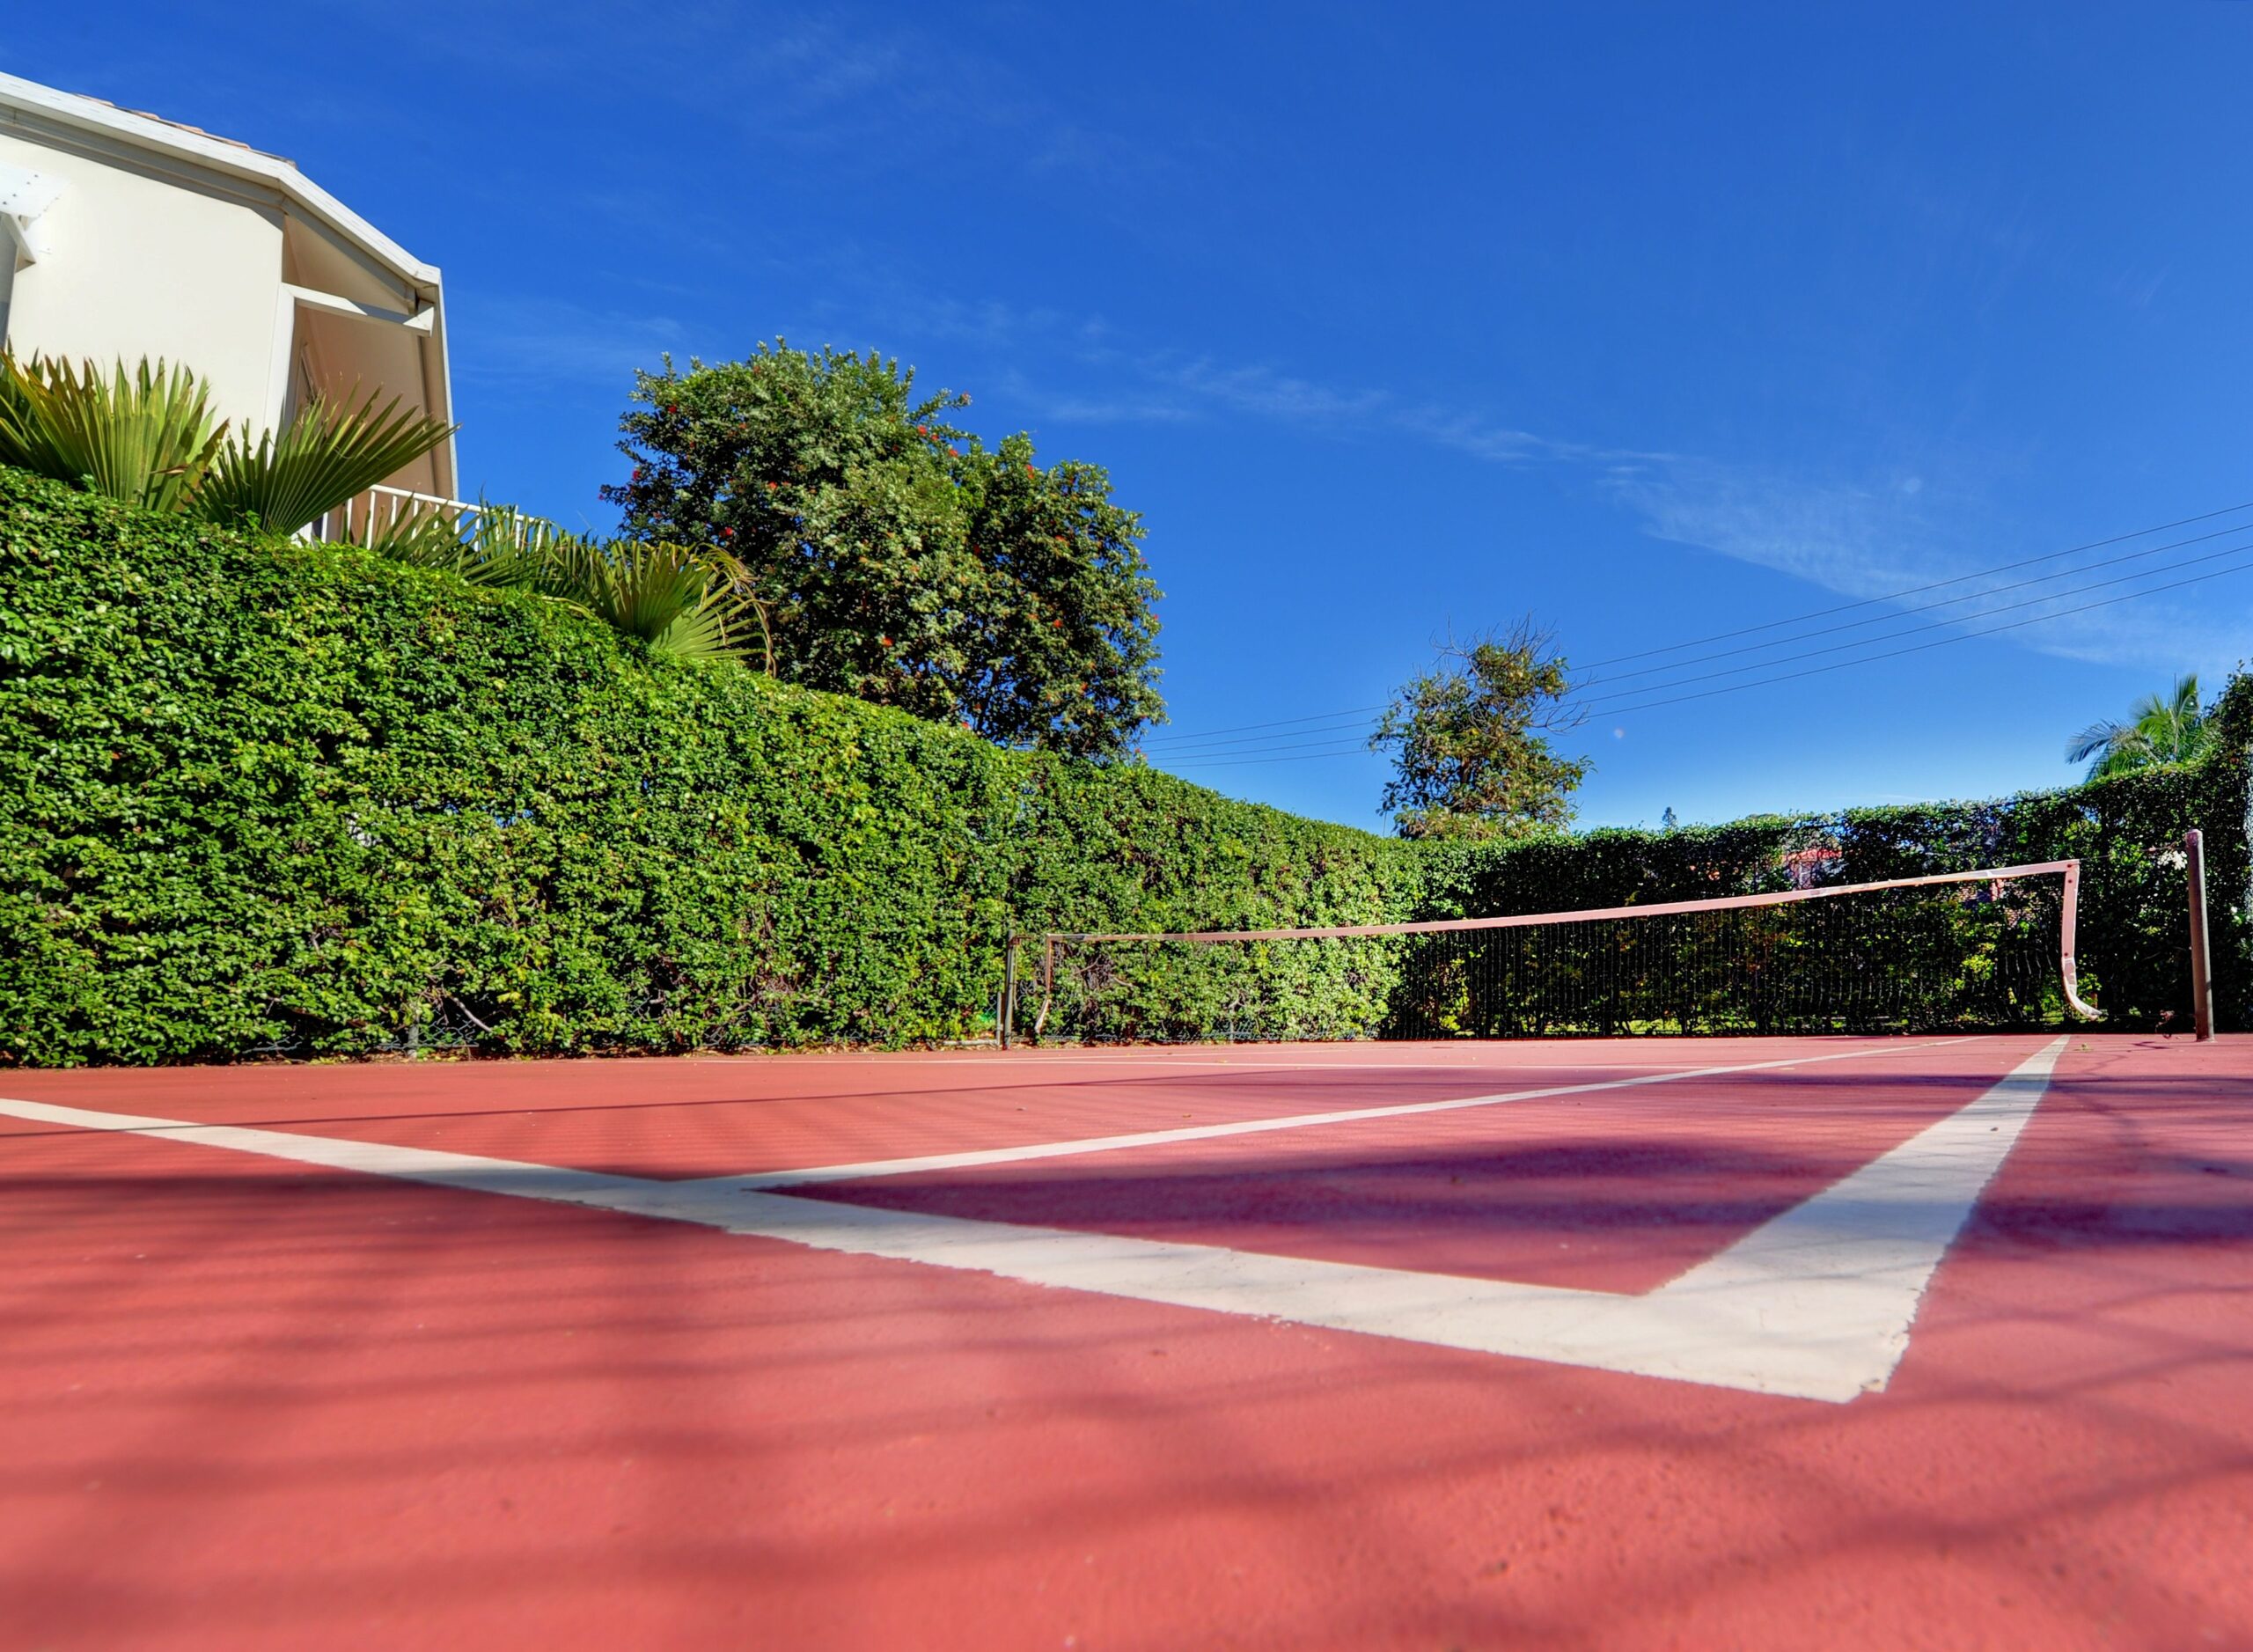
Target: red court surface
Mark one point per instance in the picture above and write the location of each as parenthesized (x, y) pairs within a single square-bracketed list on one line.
[(707, 1352)]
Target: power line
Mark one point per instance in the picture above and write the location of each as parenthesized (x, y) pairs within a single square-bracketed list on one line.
[(1208, 757), (1930, 625), (1345, 751), (1180, 742), (1318, 716), (1928, 607), (1918, 590), (1214, 744), (1965, 637), (1817, 671)]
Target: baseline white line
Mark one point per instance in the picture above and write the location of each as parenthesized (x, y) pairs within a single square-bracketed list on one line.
[(1816, 1304), (759, 1180)]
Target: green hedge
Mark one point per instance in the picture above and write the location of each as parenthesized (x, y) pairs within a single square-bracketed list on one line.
[(2127, 832), (260, 797)]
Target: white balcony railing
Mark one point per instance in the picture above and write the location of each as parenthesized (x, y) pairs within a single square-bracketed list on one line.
[(381, 508)]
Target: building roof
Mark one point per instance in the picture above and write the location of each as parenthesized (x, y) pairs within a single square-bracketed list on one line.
[(180, 142)]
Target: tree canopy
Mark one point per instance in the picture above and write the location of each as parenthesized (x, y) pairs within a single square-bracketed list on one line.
[(1471, 755), (2172, 729), (897, 557)]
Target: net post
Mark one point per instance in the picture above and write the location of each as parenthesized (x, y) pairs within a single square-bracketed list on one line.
[(2202, 987), (1008, 1014), (2068, 923), (1048, 985)]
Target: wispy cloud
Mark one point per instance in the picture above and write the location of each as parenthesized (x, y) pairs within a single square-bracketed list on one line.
[(1891, 528), (529, 345), (1200, 387), (1896, 531)]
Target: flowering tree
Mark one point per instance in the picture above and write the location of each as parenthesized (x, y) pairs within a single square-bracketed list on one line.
[(899, 559)]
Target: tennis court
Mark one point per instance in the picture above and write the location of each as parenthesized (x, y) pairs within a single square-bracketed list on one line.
[(1914, 1340)]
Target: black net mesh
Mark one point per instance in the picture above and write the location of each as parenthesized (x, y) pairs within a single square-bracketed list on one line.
[(1971, 956)]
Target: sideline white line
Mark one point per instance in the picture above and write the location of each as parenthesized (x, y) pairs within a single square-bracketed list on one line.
[(1816, 1304), (758, 1180)]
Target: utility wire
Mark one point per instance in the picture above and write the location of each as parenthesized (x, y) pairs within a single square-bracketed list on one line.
[(1963, 636), (1181, 741), (1202, 747), (1928, 607), (1347, 750), (1918, 590), (2238, 550), (1817, 671), (1241, 728), (1298, 745)]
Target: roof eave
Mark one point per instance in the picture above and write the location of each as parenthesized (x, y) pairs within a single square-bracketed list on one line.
[(217, 155)]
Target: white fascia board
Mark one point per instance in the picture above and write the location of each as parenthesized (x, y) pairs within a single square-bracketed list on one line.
[(312, 298), (217, 155)]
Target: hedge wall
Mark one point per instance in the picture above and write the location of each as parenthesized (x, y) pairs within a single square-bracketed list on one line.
[(260, 796), (291, 797)]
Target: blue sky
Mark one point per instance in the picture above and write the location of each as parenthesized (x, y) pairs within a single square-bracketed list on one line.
[(1649, 321)]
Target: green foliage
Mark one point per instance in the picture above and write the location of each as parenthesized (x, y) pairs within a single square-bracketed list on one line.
[(327, 454), (685, 603), (1471, 758), (261, 796), (2126, 831), (2175, 729), (897, 559), (150, 441), (279, 795), (147, 440)]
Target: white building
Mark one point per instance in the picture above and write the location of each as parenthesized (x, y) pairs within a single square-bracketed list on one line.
[(125, 235)]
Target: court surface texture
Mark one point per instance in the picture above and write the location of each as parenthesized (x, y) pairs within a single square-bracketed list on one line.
[(1889, 1342)]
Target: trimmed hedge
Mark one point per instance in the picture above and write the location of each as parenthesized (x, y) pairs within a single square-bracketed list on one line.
[(260, 797), (2127, 833), (288, 796)]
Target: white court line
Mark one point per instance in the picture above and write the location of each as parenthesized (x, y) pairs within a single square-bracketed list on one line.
[(761, 1179), (1814, 1305)]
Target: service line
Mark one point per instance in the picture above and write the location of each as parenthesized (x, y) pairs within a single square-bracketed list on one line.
[(1817, 1303), (758, 1181)]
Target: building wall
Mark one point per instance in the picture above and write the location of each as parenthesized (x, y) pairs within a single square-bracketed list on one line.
[(157, 264)]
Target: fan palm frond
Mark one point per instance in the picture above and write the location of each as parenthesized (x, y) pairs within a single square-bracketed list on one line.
[(494, 545), (682, 602), (687, 603), (147, 437), (328, 453)]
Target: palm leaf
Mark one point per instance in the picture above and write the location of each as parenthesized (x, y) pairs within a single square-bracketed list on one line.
[(2097, 737), (494, 546), (685, 603), (2165, 728), (330, 452), (147, 439)]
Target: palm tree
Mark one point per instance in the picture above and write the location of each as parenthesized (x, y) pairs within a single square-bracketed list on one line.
[(149, 437), (2161, 730)]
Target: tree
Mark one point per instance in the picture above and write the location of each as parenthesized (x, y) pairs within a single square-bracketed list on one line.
[(896, 557), (2171, 730), (1468, 738)]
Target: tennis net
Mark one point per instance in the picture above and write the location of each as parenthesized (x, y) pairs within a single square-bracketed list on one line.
[(1985, 950)]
